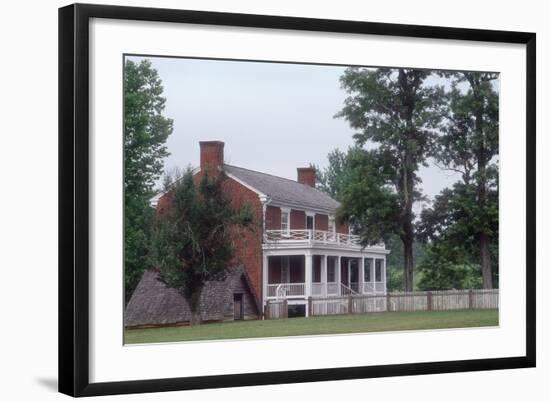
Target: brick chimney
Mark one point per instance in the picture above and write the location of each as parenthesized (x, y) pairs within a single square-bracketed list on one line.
[(306, 175), (211, 157)]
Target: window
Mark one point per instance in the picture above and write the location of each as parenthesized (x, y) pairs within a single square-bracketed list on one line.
[(331, 224), (368, 270), (378, 270), (331, 269), (284, 220), (309, 223)]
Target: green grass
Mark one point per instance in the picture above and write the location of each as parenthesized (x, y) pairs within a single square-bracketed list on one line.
[(372, 322)]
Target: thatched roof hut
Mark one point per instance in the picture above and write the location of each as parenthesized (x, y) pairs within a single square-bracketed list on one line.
[(154, 304)]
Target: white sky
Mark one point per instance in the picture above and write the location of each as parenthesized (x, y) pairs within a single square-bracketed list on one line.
[(273, 117)]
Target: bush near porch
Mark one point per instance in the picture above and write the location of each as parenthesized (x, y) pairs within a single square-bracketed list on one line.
[(339, 324)]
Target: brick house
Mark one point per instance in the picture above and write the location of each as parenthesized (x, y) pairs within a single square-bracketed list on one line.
[(297, 250)]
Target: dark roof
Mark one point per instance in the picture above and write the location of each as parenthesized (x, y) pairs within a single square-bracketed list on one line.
[(152, 303), (283, 190)]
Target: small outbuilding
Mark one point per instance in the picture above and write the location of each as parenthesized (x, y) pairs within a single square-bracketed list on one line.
[(154, 304)]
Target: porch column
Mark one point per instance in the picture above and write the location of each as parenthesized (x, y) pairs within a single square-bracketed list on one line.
[(384, 275), (324, 275), (362, 275), (308, 278), (339, 276), (265, 267)]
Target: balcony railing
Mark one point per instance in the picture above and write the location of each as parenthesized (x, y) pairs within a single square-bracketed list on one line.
[(311, 236)]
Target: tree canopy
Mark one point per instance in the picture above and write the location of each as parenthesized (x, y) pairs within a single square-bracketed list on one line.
[(462, 225), (406, 119), (398, 112), (145, 133)]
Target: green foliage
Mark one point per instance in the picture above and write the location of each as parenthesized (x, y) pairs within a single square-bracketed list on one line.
[(368, 202), (448, 267), (138, 217), (407, 123), (461, 227), (192, 240), (145, 128), (450, 228), (395, 263), (330, 180), (145, 134), (399, 114)]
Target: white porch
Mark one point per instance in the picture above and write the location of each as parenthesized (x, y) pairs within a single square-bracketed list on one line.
[(296, 275)]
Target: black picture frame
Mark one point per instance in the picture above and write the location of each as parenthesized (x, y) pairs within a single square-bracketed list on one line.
[(74, 198)]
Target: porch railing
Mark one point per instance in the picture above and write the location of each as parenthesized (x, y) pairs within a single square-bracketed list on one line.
[(286, 290), (332, 288), (314, 236), (371, 287), (345, 290)]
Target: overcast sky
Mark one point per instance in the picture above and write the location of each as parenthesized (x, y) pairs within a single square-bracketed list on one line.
[(272, 117)]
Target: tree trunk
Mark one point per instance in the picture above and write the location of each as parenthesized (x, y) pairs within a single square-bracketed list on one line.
[(484, 252), (408, 262), (407, 221), (485, 256), (194, 307), (409, 84)]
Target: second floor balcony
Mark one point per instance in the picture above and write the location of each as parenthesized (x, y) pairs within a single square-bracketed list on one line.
[(273, 237)]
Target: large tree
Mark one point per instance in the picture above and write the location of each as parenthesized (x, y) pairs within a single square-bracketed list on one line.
[(145, 134), (192, 239), (469, 145), (398, 112)]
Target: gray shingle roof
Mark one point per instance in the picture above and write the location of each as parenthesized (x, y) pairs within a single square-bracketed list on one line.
[(283, 190), (152, 303)]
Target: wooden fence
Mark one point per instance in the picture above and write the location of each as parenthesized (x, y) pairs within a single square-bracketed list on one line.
[(406, 302), (392, 302), (276, 309)]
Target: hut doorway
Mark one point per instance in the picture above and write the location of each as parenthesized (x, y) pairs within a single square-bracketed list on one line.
[(237, 306)]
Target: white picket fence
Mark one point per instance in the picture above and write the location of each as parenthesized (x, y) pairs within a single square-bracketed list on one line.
[(406, 302)]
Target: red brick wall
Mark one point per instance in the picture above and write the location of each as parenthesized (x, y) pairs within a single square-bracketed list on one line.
[(272, 218), (321, 222), (248, 244), (297, 220), (164, 203), (342, 228)]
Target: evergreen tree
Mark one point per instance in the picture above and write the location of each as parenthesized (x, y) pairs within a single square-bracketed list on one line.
[(192, 239)]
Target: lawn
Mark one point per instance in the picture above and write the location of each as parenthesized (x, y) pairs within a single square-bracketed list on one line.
[(371, 322)]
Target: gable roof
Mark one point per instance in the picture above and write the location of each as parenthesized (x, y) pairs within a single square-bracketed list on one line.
[(284, 191), (153, 303)]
